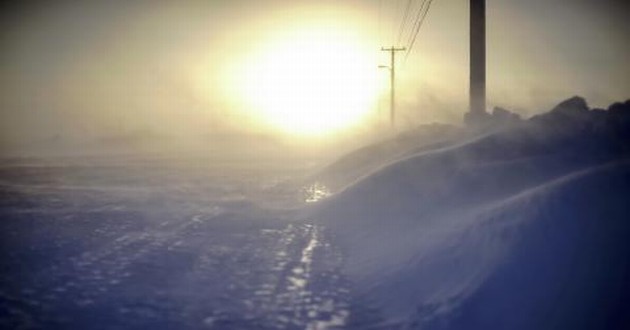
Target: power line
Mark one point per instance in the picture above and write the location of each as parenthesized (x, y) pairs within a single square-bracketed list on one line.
[(416, 20), (419, 25), (403, 23)]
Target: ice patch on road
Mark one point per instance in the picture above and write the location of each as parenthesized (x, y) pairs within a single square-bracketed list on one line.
[(315, 192)]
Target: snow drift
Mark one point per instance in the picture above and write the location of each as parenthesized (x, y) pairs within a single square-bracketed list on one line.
[(521, 229), (364, 160)]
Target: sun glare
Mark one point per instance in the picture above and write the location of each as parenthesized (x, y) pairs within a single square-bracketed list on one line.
[(311, 81)]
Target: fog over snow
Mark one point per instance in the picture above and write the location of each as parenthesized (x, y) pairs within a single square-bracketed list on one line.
[(522, 226), (231, 165)]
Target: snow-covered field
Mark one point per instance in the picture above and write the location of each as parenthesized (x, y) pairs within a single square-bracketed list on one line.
[(524, 228)]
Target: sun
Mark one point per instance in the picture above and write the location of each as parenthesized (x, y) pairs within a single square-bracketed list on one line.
[(312, 81)]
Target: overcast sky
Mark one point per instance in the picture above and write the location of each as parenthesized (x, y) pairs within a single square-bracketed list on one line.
[(90, 68)]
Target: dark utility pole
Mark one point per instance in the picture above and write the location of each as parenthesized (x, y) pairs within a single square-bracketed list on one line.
[(392, 76), (477, 60)]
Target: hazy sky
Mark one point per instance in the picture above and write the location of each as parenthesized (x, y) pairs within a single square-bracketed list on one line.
[(90, 68)]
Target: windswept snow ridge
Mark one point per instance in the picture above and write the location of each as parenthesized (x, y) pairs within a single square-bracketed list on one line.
[(521, 229)]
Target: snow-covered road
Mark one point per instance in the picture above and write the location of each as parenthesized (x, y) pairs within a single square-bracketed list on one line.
[(81, 250)]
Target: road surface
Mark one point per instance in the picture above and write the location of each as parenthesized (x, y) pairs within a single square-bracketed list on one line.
[(133, 246)]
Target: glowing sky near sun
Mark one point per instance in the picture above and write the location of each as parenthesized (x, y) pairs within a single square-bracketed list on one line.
[(90, 68)]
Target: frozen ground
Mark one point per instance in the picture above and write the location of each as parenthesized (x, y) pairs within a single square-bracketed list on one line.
[(140, 244)]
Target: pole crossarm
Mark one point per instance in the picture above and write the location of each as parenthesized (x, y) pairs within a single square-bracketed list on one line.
[(393, 49)]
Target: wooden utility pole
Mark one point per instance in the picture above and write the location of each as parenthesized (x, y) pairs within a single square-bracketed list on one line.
[(392, 76), (477, 60)]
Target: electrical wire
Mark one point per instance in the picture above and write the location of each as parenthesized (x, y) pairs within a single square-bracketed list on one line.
[(418, 26), (403, 22)]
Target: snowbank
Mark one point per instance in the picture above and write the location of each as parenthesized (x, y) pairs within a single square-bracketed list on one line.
[(368, 159), (521, 229)]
